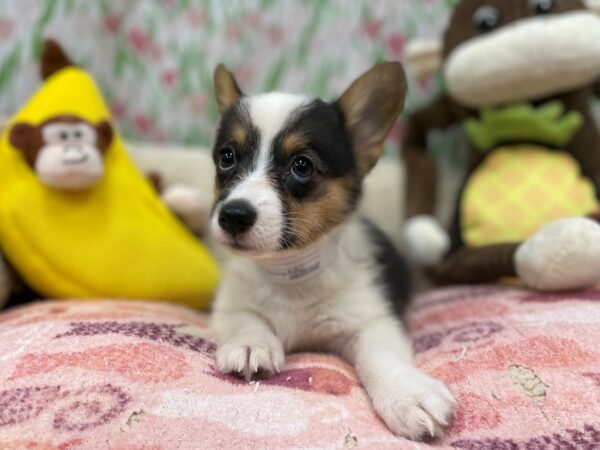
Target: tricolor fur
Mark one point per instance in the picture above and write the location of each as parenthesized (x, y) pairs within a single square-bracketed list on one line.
[(289, 177)]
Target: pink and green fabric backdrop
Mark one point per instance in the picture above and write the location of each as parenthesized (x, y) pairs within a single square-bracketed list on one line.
[(154, 59)]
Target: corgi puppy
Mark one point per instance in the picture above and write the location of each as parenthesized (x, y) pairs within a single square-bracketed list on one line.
[(308, 274)]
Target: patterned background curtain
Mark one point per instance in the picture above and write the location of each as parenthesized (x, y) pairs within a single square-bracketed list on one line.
[(154, 58)]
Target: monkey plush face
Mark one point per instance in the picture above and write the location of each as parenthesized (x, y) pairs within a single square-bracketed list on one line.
[(66, 152), (503, 51)]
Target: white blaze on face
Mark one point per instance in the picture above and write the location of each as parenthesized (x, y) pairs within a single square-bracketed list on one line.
[(70, 158), (529, 59), (269, 114)]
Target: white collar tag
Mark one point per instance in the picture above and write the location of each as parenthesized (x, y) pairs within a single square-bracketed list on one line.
[(301, 265)]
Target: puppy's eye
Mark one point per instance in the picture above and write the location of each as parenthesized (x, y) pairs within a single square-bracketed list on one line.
[(227, 159), (486, 18), (64, 135), (77, 134), (541, 7), (302, 169)]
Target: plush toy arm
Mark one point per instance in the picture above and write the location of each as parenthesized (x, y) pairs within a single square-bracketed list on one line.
[(190, 205), (421, 173), (426, 240), (585, 144)]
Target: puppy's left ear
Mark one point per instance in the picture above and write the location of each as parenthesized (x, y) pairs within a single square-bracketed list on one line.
[(227, 91), (370, 107)]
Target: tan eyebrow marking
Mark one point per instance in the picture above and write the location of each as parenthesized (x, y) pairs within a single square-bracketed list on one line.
[(293, 141), (239, 135)]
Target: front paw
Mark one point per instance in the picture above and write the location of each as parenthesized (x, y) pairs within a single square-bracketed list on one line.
[(250, 355), (412, 404)]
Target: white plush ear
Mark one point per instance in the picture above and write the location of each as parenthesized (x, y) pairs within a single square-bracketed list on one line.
[(424, 58), (594, 5)]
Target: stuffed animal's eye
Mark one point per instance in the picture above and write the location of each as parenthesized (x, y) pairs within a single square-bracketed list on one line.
[(541, 7), (486, 18), (227, 159), (64, 135), (302, 169), (77, 134)]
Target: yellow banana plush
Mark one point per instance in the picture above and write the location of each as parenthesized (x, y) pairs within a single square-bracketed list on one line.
[(112, 239)]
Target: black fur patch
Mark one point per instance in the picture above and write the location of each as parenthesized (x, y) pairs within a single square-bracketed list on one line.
[(327, 145), (322, 125), (394, 275), (246, 155)]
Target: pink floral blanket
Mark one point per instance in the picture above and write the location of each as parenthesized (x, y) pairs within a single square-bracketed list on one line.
[(525, 368)]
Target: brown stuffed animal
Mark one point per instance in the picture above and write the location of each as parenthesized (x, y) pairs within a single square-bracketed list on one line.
[(520, 75)]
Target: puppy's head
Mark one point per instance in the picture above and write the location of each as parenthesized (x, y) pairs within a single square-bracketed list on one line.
[(290, 168)]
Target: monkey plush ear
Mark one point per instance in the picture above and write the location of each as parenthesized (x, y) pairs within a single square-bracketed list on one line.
[(53, 59), (424, 58), (227, 91), (370, 107), (105, 135), (26, 138)]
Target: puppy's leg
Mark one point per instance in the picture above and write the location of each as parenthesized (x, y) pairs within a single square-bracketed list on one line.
[(410, 402), (247, 344)]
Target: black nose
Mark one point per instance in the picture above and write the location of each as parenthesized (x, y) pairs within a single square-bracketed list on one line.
[(237, 217)]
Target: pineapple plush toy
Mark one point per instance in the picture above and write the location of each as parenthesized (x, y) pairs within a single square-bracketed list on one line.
[(520, 77), (77, 219)]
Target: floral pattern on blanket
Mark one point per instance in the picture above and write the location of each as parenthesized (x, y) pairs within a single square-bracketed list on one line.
[(525, 368)]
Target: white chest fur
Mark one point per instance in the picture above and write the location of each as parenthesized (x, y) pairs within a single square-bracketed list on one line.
[(341, 310), (315, 312)]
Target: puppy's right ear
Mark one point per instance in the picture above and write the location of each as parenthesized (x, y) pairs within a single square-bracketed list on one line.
[(227, 91)]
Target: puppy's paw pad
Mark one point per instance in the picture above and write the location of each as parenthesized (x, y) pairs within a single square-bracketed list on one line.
[(248, 358), (417, 409)]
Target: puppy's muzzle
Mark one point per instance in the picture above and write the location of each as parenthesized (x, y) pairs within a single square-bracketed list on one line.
[(237, 217)]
